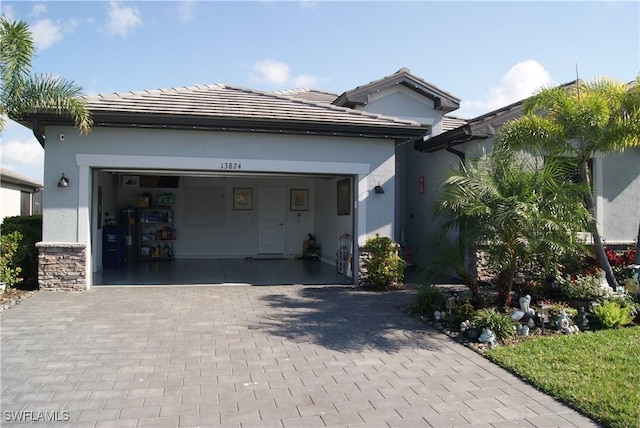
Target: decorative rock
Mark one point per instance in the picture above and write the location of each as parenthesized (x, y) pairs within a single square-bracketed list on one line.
[(583, 321), (563, 323), (487, 336)]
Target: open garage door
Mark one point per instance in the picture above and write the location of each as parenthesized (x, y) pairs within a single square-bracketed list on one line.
[(195, 227)]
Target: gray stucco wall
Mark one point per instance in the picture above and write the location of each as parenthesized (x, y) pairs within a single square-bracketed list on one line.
[(621, 196), (406, 104), (61, 218)]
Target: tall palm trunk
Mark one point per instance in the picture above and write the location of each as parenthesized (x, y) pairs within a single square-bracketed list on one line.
[(597, 239), (505, 280), (471, 280)]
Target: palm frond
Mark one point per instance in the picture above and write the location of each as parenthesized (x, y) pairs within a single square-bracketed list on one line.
[(16, 51), (46, 93)]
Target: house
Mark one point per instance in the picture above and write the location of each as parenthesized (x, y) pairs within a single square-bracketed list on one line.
[(235, 172), (20, 195), (616, 176), (218, 171)]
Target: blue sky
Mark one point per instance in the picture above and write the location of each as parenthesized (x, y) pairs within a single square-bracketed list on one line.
[(489, 54)]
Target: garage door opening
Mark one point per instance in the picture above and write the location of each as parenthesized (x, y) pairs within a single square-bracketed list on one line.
[(194, 227)]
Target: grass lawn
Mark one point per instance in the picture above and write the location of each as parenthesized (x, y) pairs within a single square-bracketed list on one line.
[(597, 373)]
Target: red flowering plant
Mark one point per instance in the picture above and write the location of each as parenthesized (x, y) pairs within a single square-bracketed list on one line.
[(619, 260)]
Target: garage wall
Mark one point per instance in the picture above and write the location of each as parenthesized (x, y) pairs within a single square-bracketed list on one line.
[(376, 156), (221, 230)]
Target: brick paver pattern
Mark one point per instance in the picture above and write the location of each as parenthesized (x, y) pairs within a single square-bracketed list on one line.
[(242, 356)]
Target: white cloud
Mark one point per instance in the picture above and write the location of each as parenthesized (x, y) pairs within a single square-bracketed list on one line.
[(122, 19), (23, 155), (271, 72), (46, 33), (521, 81), (38, 10), (275, 73), (186, 10)]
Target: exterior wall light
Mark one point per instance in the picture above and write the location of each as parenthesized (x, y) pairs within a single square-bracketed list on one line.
[(378, 189), (64, 181)]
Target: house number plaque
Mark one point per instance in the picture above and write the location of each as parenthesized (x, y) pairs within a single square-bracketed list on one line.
[(230, 165)]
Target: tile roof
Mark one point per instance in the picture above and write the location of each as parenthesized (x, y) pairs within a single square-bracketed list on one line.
[(452, 122), (359, 95), (312, 95), (235, 107)]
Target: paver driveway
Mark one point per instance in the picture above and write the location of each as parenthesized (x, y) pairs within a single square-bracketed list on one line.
[(281, 356)]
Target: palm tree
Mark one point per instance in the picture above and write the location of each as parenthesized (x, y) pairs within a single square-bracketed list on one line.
[(515, 207), (22, 93), (448, 254), (601, 116)]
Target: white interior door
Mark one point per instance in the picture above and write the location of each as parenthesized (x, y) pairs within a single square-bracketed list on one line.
[(271, 217)]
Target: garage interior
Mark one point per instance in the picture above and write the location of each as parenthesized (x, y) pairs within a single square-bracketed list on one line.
[(210, 227)]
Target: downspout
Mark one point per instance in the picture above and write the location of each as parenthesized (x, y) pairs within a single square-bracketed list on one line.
[(35, 127), (456, 152)]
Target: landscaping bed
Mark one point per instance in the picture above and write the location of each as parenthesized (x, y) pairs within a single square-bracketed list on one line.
[(13, 296), (595, 371)]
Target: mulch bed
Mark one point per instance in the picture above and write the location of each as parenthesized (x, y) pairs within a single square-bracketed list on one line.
[(14, 296)]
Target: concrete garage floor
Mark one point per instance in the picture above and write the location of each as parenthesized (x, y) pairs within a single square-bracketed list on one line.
[(242, 356), (258, 271)]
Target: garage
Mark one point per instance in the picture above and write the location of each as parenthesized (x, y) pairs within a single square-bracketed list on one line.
[(244, 176), (222, 228)]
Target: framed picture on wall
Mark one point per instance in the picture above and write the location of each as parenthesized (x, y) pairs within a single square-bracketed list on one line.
[(344, 197), (299, 200), (242, 198)]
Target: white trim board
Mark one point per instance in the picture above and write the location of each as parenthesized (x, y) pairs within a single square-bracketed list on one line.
[(217, 164)]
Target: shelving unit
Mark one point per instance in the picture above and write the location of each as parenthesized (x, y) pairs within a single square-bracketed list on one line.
[(156, 233), (344, 255)]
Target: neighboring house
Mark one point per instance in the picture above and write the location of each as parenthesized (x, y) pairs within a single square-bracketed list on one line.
[(251, 173), (616, 177), (20, 195)]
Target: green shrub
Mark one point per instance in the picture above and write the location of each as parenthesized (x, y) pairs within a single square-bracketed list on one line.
[(430, 299), (9, 269), (500, 324), (463, 311), (581, 287), (612, 314), (30, 227), (384, 268)]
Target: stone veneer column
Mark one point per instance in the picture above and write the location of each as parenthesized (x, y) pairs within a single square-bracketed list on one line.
[(62, 266)]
